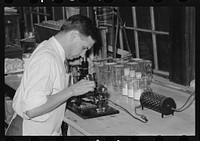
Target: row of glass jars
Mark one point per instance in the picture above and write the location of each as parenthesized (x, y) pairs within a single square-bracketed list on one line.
[(112, 73)]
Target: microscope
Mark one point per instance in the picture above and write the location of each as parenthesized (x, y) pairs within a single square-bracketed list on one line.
[(91, 104)]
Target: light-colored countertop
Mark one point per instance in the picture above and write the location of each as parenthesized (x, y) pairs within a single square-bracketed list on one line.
[(181, 123)]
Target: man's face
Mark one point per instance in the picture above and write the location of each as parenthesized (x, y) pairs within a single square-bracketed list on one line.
[(80, 44)]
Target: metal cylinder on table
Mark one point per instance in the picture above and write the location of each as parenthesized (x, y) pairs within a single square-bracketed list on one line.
[(157, 102)]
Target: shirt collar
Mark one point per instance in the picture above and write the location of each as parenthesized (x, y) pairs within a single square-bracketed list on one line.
[(59, 48)]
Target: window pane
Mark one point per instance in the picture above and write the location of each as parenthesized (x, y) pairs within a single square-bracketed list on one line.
[(34, 15), (104, 17), (58, 14), (161, 18), (104, 14), (143, 17), (131, 41), (163, 49), (28, 19), (49, 11), (146, 46), (109, 35), (127, 18)]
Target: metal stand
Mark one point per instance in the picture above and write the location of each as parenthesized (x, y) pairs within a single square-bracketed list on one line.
[(121, 25)]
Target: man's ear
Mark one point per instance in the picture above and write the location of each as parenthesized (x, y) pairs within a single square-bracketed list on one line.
[(73, 35)]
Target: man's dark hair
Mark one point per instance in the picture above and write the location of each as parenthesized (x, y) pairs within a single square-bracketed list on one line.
[(81, 23)]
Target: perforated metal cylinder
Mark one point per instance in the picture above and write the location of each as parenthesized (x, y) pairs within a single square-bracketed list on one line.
[(157, 102)]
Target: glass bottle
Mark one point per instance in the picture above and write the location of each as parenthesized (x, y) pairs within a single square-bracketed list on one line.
[(125, 78), (133, 66), (108, 73), (132, 85), (139, 84), (101, 74), (148, 71), (117, 73), (140, 66)]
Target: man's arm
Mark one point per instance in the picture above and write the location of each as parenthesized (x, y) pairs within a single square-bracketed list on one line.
[(53, 101)]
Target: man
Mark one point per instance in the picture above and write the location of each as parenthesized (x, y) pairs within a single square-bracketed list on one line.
[(40, 100)]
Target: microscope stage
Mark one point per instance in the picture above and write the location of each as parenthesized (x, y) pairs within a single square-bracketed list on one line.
[(87, 110)]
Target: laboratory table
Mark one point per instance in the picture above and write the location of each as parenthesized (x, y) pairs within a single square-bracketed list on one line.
[(181, 123)]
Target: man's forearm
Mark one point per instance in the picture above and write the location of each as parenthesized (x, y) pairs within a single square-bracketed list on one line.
[(53, 101)]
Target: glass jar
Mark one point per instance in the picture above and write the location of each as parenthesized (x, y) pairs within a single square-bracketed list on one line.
[(117, 76), (132, 84), (148, 71), (125, 78), (134, 66), (96, 69), (108, 73), (101, 76), (140, 65)]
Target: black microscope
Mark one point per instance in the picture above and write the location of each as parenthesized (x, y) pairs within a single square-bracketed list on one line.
[(92, 104)]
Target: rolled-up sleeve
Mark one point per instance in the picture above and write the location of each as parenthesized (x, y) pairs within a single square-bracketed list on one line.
[(39, 84)]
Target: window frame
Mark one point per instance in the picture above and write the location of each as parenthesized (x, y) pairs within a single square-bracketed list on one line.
[(137, 29)]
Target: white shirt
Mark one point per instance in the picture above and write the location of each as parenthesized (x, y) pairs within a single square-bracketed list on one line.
[(44, 74)]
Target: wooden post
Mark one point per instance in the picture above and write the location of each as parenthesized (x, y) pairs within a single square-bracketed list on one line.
[(31, 15), (112, 36), (154, 39), (63, 12), (189, 44), (53, 13), (135, 33), (25, 19), (121, 38), (88, 11), (38, 16), (116, 38), (182, 33), (103, 32), (45, 12)]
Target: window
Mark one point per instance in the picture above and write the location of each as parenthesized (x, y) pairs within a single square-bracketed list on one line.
[(147, 30), (32, 15), (150, 34)]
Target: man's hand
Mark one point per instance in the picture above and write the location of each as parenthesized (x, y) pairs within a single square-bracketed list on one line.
[(55, 100), (82, 87)]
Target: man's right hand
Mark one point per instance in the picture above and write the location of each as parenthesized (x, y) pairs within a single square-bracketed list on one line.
[(82, 87)]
